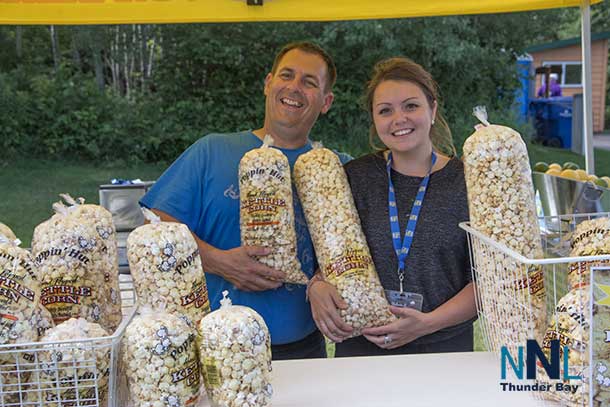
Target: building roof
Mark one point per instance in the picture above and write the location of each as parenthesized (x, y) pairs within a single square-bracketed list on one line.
[(567, 42)]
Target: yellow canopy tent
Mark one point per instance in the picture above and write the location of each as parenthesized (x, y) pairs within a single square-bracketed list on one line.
[(184, 11)]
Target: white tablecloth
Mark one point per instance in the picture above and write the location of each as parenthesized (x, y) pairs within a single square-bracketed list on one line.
[(448, 379)]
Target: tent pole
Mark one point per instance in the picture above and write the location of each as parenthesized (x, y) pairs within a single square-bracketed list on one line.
[(585, 25)]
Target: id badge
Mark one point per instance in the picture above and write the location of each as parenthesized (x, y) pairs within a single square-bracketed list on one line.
[(405, 299)]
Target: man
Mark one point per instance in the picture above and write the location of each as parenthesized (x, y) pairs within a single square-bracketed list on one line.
[(201, 190), (555, 88)]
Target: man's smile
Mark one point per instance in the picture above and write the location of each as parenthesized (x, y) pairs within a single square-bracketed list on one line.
[(291, 102)]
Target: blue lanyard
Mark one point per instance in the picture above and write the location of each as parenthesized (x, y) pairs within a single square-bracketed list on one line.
[(403, 251)]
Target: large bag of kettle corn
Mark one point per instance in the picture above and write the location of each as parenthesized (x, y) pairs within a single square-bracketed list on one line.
[(7, 232), (72, 372), (501, 205), (590, 238), (106, 231), (166, 268), (570, 325), (266, 211), (19, 293), (235, 356), (19, 301), (338, 238), (161, 360), (72, 266)]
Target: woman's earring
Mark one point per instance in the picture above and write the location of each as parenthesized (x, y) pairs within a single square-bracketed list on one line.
[(433, 122)]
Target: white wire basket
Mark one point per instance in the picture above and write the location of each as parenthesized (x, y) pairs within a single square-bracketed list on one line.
[(70, 373), (504, 295)]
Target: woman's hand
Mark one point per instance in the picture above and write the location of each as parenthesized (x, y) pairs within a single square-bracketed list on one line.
[(325, 305), (411, 325)]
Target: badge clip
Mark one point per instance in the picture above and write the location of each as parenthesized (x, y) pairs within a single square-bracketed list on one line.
[(405, 299)]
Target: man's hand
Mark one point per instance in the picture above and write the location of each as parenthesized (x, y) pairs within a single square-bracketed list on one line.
[(325, 305), (239, 267)]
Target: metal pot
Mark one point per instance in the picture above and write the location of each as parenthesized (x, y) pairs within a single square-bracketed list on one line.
[(563, 196)]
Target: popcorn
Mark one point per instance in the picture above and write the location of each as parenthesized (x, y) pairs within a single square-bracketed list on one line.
[(570, 325), (6, 232), (501, 203), (42, 320), (266, 211), (235, 355), (73, 266), (19, 297), (166, 268), (104, 226), (338, 239), (161, 360), (19, 294), (82, 365), (591, 238), (601, 376)]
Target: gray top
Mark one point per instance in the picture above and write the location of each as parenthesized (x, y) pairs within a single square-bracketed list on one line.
[(438, 264)]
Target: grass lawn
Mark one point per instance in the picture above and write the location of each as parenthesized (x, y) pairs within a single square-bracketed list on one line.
[(28, 188)]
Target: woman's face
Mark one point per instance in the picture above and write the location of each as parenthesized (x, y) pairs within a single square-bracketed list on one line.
[(402, 115)]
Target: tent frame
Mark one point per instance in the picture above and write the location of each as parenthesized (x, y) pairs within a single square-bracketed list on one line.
[(587, 81)]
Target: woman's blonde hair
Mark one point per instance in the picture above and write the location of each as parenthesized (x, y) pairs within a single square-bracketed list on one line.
[(404, 69)]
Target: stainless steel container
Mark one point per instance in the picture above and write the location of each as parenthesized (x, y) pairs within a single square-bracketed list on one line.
[(562, 196), (122, 202)]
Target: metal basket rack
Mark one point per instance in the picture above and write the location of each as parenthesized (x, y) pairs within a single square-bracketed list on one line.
[(31, 374), (506, 316)]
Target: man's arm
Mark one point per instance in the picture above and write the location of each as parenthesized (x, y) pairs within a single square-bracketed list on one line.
[(238, 266)]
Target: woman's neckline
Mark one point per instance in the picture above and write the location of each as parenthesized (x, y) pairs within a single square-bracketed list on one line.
[(441, 163)]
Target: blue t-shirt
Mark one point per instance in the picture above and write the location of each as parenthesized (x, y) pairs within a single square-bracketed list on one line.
[(201, 189)]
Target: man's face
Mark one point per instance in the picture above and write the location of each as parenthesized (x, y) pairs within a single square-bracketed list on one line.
[(295, 94)]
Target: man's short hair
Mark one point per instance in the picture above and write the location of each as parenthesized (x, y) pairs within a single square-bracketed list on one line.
[(310, 48)]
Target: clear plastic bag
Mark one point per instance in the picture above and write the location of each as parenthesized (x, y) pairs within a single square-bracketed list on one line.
[(166, 268), (266, 211), (7, 232), (106, 231), (19, 305), (591, 238), (161, 360), (570, 324), (72, 266), (72, 363), (236, 357), (501, 204), (19, 294), (338, 239)]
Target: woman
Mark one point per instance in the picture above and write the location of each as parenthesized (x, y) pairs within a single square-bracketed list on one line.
[(419, 157)]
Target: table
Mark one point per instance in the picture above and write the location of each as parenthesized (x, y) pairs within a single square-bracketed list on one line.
[(441, 379)]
